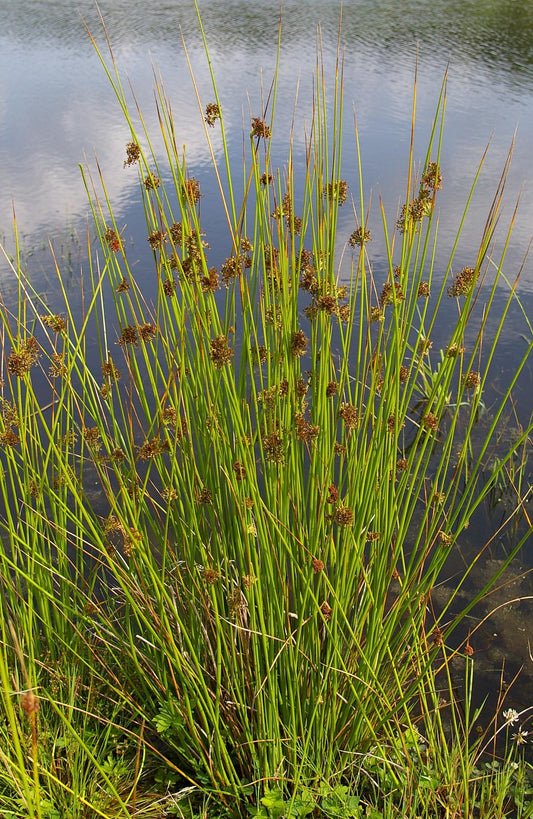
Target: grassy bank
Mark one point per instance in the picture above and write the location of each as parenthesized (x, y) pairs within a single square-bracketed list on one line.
[(221, 538)]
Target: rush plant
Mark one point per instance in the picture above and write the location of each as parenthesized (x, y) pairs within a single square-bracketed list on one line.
[(284, 466)]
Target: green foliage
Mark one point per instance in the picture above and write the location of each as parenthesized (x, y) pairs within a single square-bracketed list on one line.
[(282, 471), (330, 801), (168, 718)]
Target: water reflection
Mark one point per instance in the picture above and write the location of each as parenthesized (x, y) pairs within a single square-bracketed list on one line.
[(56, 103), (496, 33)]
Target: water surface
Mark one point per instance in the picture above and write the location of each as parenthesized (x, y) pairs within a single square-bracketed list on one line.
[(56, 106)]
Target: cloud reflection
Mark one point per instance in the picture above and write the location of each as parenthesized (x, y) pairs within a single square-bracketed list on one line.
[(56, 104)]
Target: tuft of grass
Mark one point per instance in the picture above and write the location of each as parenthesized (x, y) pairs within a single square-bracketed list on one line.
[(283, 467)]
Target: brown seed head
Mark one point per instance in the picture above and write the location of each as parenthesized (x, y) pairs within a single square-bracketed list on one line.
[(169, 416), (463, 282), (302, 387), (204, 496), (169, 287), (240, 470), (9, 438), (58, 368), (336, 191), (453, 350), (220, 352), (210, 576), (194, 244), (237, 601), (231, 269), (424, 345), (212, 113), (9, 413), (91, 435), (304, 430), (109, 370), (150, 449), (133, 153), (209, 283), (344, 515), (327, 303), (471, 380), (260, 129), (438, 637), (359, 237), (349, 415), (308, 280), (344, 312), (22, 359), (129, 335), (156, 239), (274, 448), (432, 178), (147, 332), (431, 421), (112, 239), (299, 342), (192, 189), (151, 182), (392, 292), (175, 231), (56, 323), (393, 423), (169, 494)]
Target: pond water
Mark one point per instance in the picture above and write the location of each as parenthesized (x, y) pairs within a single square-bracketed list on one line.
[(57, 109), (56, 105)]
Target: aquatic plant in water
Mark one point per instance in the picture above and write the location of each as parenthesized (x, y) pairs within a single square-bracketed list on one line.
[(285, 472)]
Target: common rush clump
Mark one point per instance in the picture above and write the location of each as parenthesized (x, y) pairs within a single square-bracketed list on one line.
[(251, 609)]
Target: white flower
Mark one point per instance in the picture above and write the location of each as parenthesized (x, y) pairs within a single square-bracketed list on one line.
[(520, 737), (511, 716)]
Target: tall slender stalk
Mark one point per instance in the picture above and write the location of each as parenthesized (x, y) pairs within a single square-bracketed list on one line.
[(284, 466)]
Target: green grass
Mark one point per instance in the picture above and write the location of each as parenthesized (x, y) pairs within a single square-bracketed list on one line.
[(243, 624)]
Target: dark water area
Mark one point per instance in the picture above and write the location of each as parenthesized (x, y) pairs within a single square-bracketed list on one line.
[(57, 110)]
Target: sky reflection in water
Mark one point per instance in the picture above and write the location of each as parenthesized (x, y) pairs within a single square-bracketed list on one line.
[(56, 105)]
